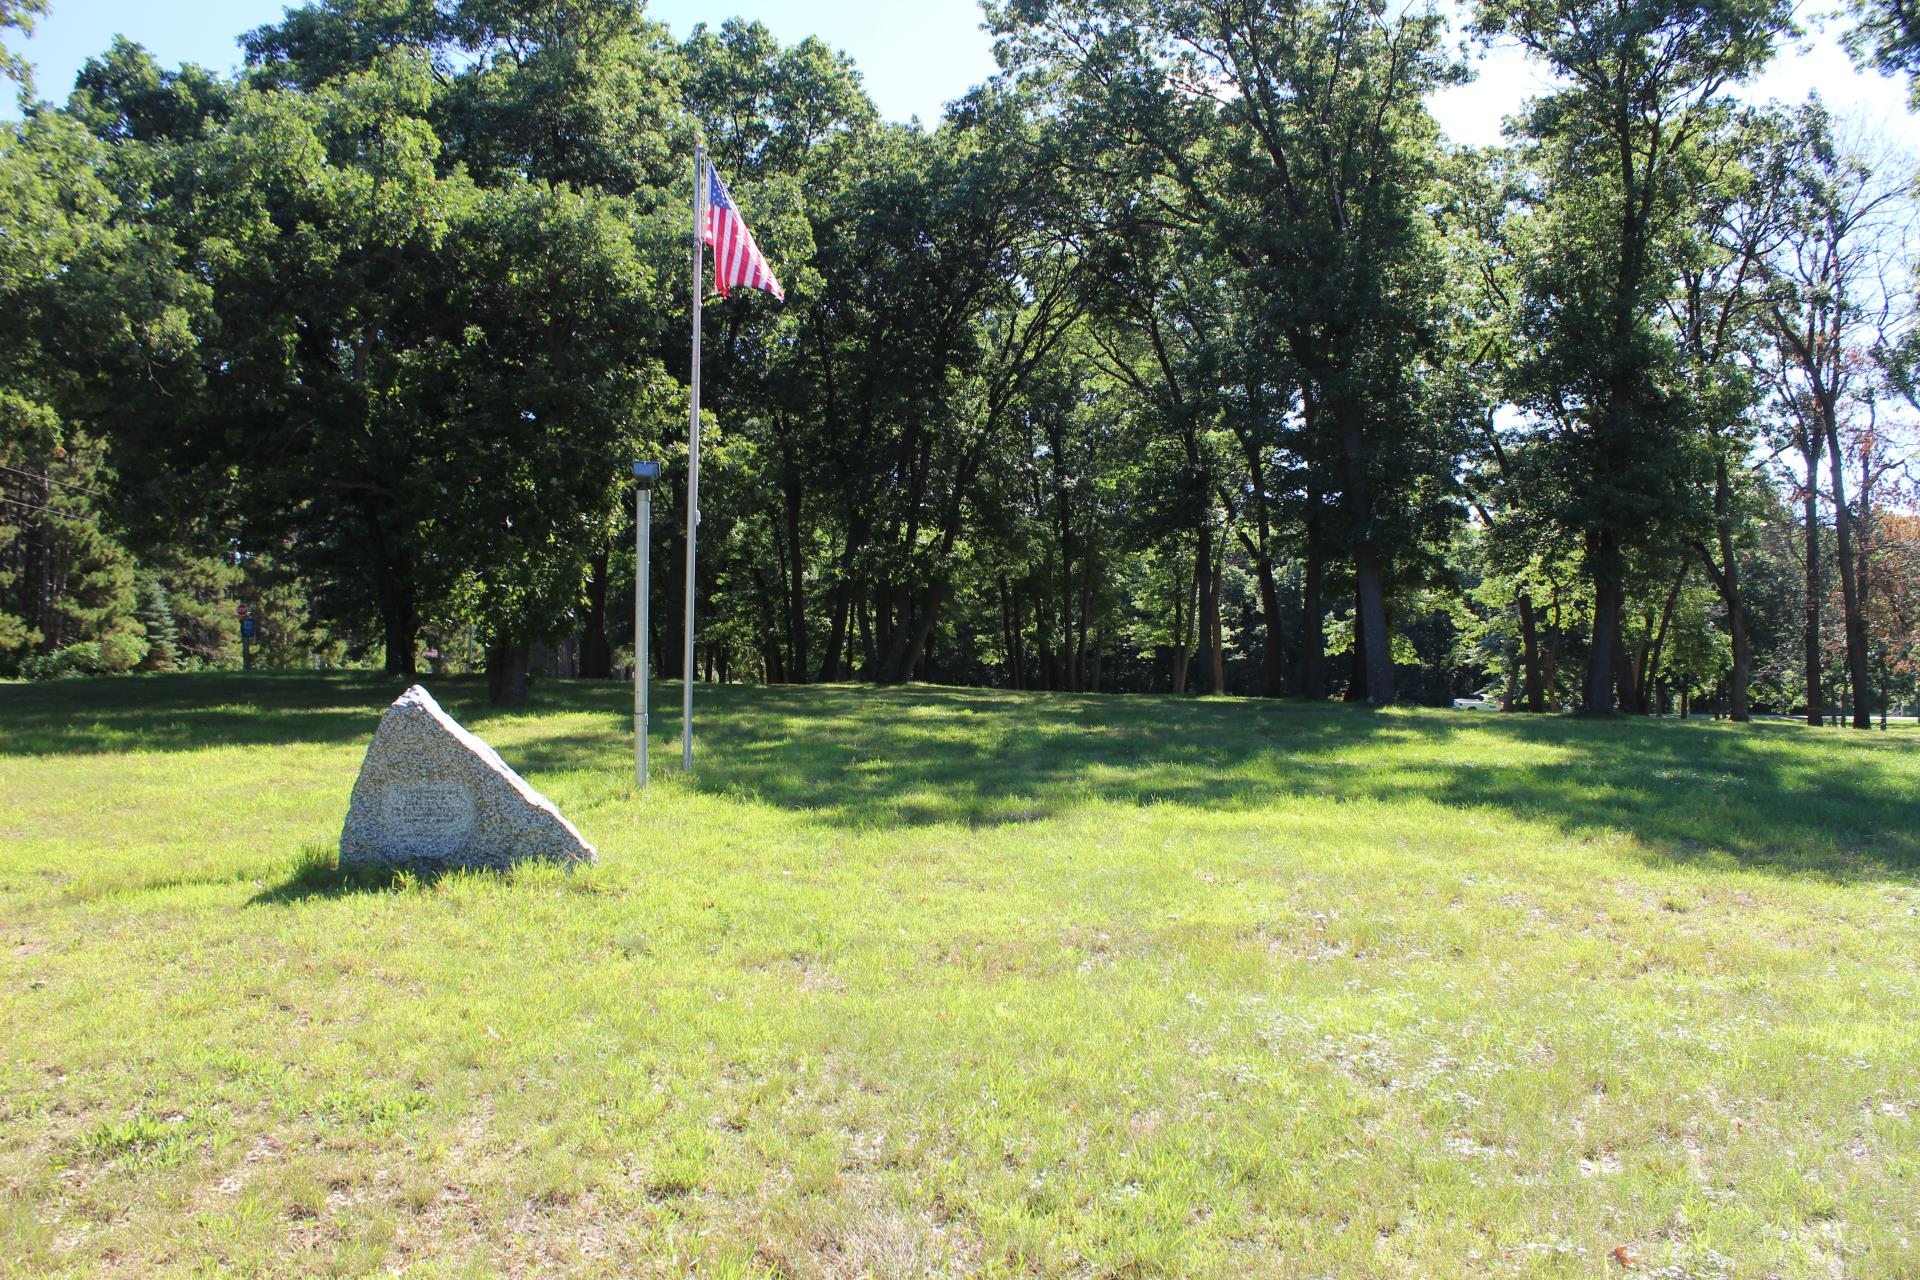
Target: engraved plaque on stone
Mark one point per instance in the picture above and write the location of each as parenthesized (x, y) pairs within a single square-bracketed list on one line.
[(427, 819)]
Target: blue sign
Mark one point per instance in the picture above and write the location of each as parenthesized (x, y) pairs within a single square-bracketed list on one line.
[(246, 628)]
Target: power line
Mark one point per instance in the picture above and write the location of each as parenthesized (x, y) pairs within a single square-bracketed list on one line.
[(34, 475), (57, 515)]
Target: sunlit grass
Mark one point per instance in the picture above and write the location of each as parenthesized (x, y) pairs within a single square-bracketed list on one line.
[(937, 982)]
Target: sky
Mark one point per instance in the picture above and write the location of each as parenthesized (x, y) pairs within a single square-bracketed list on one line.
[(915, 55)]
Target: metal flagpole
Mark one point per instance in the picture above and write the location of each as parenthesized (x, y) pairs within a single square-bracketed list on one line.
[(693, 461), (644, 473)]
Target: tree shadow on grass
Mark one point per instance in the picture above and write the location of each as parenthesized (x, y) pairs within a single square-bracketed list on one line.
[(200, 710), (1777, 797), (1780, 797), (1839, 809), (194, 711)]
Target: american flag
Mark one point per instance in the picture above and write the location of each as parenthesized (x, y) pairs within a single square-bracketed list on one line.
[(737, 260)]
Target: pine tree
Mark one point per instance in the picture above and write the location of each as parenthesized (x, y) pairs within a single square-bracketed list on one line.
[(155, 611)]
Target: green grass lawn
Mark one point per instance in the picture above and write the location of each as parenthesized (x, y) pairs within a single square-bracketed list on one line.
[(935, 982)]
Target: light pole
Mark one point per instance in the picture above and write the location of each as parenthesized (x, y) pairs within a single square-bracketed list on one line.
[(644, 474)]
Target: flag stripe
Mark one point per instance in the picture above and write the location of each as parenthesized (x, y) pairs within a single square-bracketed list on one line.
[(737, 260)]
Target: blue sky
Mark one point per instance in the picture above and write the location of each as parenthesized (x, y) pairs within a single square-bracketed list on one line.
[(914, 54)]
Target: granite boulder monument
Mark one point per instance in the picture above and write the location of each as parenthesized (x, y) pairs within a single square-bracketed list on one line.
[(431, 797)]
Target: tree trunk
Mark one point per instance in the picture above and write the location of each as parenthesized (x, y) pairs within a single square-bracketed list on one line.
[(1530, 655), (831, 669), (1086, 615), (596, 655), (1206, 579), (34, 554), (1641, 665), (796, 589), (1727, 579), (1370, 601), (894, 668), (1186, 608), (1556, 635), (847, 598), (1007, 634), (1368, 563), (1273, 677), (1863, 576), (1019, 646), (1071, 670), (401, 627), (1313, 639), (882, 630), (1259, 547), (1651, 666), (1815, 588), (507, 673), (1603, 559), (1357, 660), (1049, 673), (1623, 671), (863, 612), (917, 642), (1210, 624), (1852, 606)]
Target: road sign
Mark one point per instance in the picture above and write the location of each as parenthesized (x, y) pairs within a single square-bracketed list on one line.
[(241, 608), (246, 628)]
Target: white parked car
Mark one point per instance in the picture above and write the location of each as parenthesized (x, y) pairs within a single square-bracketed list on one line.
[(1478, 702)]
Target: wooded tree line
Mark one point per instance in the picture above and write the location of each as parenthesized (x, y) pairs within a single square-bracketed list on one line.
[(1186, 355)]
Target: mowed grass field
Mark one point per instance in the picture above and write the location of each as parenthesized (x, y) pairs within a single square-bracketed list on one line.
[(937, 983)]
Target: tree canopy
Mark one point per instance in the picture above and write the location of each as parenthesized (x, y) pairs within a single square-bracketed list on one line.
[(1186, 354)]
